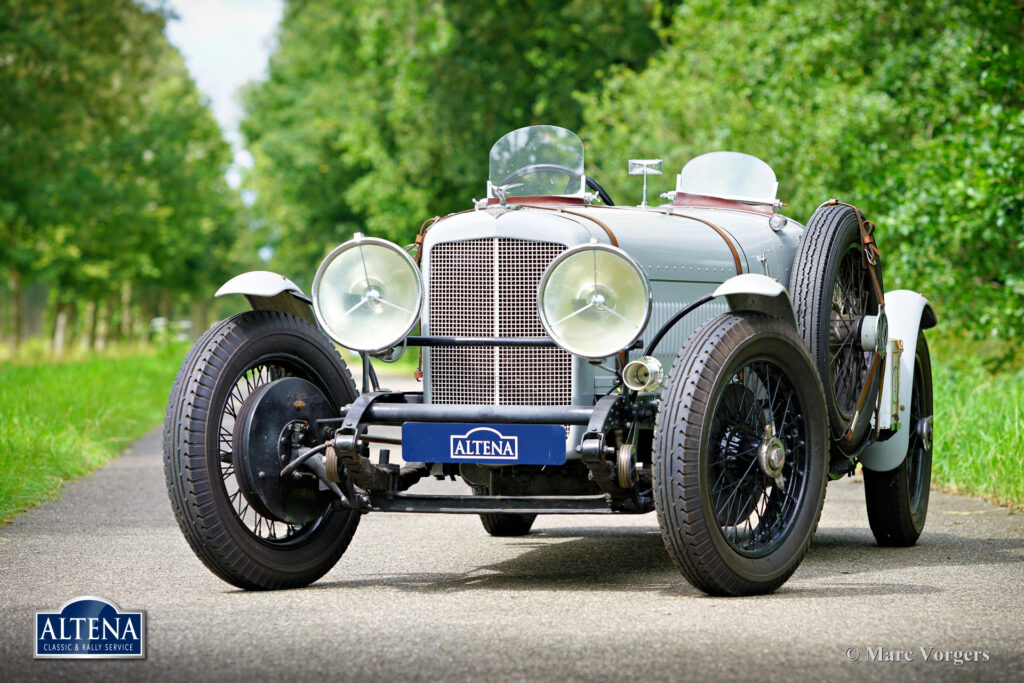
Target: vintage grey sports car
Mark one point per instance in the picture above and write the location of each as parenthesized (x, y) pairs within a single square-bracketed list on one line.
[(708, 359)]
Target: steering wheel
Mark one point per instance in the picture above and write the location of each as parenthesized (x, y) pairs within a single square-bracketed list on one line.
[(573, 176)]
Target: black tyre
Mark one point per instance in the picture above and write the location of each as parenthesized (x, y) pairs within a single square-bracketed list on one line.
[(898, 500), (225, 366), (832, 290), (742, 383), (504, 524)]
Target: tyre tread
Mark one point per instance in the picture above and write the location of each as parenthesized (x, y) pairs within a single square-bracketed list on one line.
[(810, 287)]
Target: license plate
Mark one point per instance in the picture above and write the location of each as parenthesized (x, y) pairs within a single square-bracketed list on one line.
[(484, 444)]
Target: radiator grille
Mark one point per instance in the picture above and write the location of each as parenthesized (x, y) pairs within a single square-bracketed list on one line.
[(487, 288)]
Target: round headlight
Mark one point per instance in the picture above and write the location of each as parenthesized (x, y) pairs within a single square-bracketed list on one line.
[(367, 294), (594, 300)]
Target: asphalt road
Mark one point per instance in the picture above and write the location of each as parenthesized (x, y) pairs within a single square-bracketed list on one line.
[(428, 597)]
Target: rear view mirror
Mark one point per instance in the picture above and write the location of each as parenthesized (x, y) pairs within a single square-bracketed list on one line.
[(644, 167)]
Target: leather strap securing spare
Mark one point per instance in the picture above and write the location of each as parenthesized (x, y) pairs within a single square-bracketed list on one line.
[(876, 358), (871, 254), (867, 240)]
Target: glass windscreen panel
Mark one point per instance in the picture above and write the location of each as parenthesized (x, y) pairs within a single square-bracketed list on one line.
[(537, 161), (729, 175)]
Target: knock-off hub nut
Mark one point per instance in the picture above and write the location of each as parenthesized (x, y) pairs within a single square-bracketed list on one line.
[(771, 456)]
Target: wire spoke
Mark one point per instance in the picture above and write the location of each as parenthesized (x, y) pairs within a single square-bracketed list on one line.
[(754, 513)]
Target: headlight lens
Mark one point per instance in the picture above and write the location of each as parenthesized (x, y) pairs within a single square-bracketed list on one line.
[(594, 300), (367, 294)]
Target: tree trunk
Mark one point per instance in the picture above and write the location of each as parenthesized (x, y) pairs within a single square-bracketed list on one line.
[(167, 305), (17, 309), (92, 321), (146, 305), (73, 323), (60, 328), (200, 315), (106, 315), (126, 311)]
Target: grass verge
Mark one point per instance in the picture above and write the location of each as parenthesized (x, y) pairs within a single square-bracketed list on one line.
[(979, 427), (60, 421)]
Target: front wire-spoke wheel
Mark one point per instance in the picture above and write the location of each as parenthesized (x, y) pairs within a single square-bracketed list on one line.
[(237, 538), (740, 455)]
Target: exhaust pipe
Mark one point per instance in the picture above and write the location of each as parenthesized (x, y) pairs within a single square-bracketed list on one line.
[(643, 375)]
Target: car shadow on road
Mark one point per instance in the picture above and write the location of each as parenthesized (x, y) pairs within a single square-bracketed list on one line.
[(634, 559), (590, 558), (854, 551)]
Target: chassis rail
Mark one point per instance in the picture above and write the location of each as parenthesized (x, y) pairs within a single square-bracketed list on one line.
[(472, 505)]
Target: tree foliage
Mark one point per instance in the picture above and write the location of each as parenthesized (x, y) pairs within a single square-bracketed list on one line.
[(112, 165), (375, 116), (378, 115), (912, 111)]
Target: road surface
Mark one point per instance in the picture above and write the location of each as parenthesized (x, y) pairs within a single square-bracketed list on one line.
[(428, 597)]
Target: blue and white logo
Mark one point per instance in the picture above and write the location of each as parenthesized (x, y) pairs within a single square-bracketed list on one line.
[(507, 444), (484, 443), (90, 627)]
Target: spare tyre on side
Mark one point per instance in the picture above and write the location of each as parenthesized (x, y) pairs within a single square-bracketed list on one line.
[(833, 290)]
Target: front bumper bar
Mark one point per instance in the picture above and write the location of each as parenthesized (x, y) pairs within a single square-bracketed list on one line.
[(475, 505)]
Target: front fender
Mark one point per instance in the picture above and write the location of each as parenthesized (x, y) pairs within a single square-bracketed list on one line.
[(267, 291), (907, 313), (753, 292)]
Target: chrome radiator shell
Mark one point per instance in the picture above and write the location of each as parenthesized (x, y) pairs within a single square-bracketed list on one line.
[(488, 288)]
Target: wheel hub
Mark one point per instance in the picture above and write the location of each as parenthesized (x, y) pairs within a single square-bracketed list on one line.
[(924, 431), (273, 419), (771, 456)]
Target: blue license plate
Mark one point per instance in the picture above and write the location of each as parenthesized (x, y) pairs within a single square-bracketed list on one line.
[(485, 444)]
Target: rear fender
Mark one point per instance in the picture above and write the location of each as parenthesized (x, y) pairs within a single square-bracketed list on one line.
[(907, 314), (753, 292), (267, 291)]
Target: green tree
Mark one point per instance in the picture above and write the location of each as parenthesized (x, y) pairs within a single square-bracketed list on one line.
[(114, 191), (378, 115), (912, 111)]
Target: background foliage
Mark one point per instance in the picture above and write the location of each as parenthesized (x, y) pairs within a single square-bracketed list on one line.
[(377, 116), (914, 111), (113, 194)]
